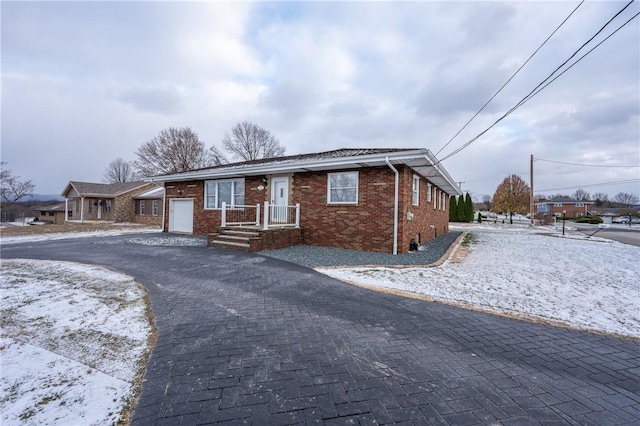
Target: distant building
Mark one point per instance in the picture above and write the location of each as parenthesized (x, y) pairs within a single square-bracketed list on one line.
[(113, 202), (53, 213), (559, 208)]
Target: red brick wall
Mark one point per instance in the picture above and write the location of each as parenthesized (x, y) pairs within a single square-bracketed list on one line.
[(365, 226), (424, 215), (277, 238), (207, 221)]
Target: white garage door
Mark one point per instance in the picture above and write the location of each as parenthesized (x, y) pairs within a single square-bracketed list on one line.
[(181, 216)]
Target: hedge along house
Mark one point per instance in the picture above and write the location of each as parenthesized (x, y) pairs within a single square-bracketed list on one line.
[(363, 199), (111, 202)]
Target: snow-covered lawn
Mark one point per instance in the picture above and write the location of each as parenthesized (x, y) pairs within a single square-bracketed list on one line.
[(121, 230), (74, 343), (535, 273)]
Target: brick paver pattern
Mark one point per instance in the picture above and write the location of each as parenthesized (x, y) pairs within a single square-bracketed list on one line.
[(245, 339)]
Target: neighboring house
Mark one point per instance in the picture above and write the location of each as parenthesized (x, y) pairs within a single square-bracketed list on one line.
[(103, 201), (363, 199), (149, 207), (559, 208), (54, 213)]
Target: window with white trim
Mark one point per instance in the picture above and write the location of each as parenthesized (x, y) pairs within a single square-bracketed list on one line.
[(230, 191), (342, 188), (142, 207), (155, 207), (428, 192), (557, 204), (416, 190)]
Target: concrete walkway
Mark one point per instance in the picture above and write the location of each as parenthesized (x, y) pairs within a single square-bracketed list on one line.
[(245, 339)]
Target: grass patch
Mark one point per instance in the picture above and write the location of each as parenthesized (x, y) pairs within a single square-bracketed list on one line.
[(469, 238)]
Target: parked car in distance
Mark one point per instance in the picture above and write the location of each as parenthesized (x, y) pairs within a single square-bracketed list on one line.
[(620, 219)]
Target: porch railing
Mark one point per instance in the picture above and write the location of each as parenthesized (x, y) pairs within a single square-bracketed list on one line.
[(272, 215), (275, 215), (240, 215)]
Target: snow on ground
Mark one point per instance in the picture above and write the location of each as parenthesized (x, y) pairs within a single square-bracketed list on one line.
[(135, 229), (74, 340), (591, 284), (164, 240)]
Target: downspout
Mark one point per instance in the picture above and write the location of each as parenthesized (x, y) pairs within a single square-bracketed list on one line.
[(395, 205), (164, 201)]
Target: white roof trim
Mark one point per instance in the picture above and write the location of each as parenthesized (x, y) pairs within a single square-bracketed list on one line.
[(421, 160)]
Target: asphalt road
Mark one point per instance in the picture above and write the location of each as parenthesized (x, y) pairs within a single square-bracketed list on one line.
[(621, 233)]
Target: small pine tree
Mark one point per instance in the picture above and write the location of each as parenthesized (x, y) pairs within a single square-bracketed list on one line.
[(460, 216), (468, 208), (453, 210)]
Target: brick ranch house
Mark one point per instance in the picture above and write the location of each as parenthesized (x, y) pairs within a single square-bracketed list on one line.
[(52, 213), (570, 208), (111, 202), (363, 199)]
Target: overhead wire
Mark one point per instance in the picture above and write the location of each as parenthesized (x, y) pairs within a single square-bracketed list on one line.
[(591, 185), (548, 80), (510, 78), (585, 165)]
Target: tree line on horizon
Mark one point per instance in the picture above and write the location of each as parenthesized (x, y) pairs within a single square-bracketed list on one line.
[(176, 150)]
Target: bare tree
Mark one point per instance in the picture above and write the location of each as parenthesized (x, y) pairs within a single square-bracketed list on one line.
[(512, 196), (488, 201), (175, 150), (119, 171), (12, 189), (626, 198), (247, 141), (581, 195)]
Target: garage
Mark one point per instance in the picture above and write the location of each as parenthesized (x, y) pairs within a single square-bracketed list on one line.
[(181, 216)]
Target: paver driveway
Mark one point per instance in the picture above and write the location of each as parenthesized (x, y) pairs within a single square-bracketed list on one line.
[(246, 339)]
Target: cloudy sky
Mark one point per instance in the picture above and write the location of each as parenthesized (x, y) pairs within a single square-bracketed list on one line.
[(86, 82)]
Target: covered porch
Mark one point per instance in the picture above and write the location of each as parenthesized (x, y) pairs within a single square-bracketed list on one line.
[(257, 227)]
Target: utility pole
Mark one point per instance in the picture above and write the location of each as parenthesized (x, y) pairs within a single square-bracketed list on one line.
[(531, 195), (460, 185)]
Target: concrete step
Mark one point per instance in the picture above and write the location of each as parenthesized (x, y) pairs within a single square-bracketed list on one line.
[(229, 245), (248, 234), (236, 238)]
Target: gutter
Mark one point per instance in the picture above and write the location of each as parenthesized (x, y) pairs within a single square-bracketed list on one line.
[(395, 205), (436, 164)]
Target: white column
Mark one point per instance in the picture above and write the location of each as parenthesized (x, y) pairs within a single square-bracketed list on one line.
[(265, 224), (297, 215), (81, 209), (66, 209), (224, 214)]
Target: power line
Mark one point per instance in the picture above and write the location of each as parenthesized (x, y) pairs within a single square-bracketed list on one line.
[(546, 81), (510, 78), (585, 165), (620, 182), (580, 58)]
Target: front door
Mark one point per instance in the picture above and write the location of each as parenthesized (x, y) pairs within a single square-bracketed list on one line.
[(279, 200)]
